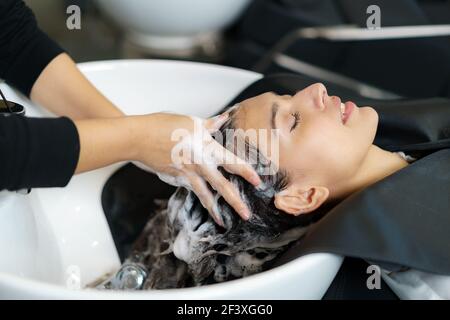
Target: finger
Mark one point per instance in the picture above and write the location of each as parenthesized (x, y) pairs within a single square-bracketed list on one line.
[(235, 165), (206, 198), (226, 189), (215, 123)]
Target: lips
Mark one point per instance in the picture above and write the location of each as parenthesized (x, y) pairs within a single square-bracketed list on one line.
[(346, 111)]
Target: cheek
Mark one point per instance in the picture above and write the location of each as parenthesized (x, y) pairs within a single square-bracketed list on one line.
[(334, 155), (352, 144), (330, 154)]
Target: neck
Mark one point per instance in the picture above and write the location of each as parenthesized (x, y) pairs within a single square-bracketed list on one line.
[(377, 165)]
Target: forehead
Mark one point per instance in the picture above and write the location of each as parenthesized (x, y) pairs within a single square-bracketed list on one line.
[(254, 112)]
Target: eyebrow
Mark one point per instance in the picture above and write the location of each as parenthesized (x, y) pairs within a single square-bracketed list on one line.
[(274, 114)]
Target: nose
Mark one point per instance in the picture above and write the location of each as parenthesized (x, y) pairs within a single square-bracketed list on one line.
[(316, 93), (319, 93), (319, 87)]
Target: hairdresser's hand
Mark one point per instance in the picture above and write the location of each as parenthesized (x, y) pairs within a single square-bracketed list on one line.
[(182, 152)]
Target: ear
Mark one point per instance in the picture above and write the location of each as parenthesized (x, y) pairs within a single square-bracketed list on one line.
[(295, 200)]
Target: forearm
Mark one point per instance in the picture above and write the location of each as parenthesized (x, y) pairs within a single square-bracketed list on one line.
[(143, 138), (46, 152), (64, 90), (107, 141)]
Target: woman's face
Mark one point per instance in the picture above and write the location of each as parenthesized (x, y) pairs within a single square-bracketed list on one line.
[(317, 144)]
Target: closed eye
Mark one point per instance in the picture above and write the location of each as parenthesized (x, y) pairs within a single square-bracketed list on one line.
[(296, 116)]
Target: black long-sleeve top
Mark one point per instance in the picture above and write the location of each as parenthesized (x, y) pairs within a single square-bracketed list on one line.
[(34, 152)]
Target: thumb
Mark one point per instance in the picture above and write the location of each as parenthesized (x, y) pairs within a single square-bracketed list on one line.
[(213, 124)]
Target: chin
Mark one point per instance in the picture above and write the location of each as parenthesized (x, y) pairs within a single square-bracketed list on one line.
[(370, 116), (371, 112), (366, 125), (375, 117)]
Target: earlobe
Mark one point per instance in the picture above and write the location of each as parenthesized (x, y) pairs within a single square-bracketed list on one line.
[(296, 201)]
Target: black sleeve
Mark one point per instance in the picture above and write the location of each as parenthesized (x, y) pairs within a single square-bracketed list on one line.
[(24, 49), (37, 152)]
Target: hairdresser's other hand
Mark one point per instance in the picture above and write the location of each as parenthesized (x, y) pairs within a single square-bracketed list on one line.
[(181, 150)]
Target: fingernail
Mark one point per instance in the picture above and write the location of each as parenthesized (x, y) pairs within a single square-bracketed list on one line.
[(220, 119), (218, 218), (220, 223), (245, 213), (216, 118), (256, 180)]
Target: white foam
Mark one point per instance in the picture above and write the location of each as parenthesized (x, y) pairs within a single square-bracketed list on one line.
[(192, 148)]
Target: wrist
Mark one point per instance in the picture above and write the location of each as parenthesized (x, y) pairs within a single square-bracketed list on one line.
[(134, 140), (142, 130), (152, 137)]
